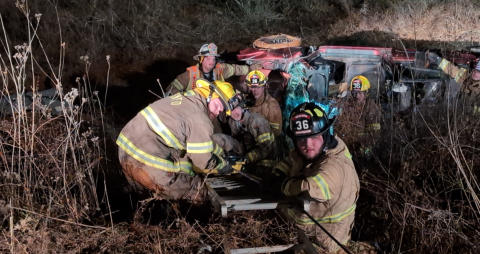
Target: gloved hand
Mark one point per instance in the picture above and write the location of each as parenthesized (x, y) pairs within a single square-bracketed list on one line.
[(433, 58), (236, 162), (234, 165)]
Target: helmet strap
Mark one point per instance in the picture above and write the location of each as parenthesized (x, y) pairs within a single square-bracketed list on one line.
[(210, 93)]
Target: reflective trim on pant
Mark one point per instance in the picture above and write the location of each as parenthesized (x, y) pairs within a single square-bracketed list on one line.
[(201, 147), (327, 219), (323, 185), (153, 161), (158, 127)]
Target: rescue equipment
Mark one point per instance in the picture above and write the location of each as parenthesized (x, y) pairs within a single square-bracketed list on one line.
[(277, 41)]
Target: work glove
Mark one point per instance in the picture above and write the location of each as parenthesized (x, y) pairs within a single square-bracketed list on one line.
[(235, 164), (433, 58)]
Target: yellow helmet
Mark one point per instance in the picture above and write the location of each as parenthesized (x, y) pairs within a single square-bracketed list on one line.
[(219, 89), (359, 84), (256, 78)]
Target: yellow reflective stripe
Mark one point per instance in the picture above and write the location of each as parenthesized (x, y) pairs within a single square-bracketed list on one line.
[(158, 127), (266, 163), (323, 185), (221, 164), (218, 150), (203, 147), (443, 64), (251, 156), (151, 160), (374, 126), (177, 84), (282, 166), (476, 109), (327, 219), (348, 154), (189, 93), (275, 125), (460, 74), (318, 112), (265, 137)]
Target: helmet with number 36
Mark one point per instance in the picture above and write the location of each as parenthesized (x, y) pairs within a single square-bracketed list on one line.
[(308, 119)]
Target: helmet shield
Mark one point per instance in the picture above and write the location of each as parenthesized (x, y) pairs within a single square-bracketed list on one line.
[(256, 78)]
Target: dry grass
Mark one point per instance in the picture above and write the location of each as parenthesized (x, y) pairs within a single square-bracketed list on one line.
[(419, 180), (445, 23)]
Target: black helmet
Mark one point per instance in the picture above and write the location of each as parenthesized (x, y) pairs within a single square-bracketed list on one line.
[(308, 119)]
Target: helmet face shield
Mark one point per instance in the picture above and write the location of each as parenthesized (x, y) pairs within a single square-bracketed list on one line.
[(236, 101)]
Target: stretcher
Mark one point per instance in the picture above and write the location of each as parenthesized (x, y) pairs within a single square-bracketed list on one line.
[(239, 193)]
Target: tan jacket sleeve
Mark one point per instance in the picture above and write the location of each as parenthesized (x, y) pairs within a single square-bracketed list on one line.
[(325, 184), (205, 155), (459, 74), (228, 143), (275, 118), (234, 70), (259, 128), (290, 165), (179, 84), (320, 186)]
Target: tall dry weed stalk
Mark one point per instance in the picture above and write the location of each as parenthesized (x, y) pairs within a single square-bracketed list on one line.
[(50, 153)]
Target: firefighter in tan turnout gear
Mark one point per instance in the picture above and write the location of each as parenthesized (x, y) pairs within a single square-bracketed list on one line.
[(253, 130), (165, 146), (321, 168), (207, 68), (265, 104)]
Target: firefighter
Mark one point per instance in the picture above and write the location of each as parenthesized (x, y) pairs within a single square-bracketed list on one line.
[(469, 86), (471, 90), (265, 104), (361, 117), (476, 72), (168, 144), (207, 68), (320, 169), (366, 110), (457, 74), (257, 140)]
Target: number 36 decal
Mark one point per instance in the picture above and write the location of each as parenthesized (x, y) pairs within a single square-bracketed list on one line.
[(302, 125)]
